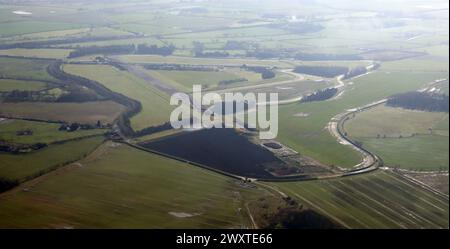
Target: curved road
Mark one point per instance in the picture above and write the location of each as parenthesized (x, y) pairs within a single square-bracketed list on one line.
[(370, 161)]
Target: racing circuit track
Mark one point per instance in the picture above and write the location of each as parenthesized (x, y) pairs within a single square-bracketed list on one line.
[(369, 163)]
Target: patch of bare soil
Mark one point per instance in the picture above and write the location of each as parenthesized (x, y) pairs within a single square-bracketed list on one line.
[(301, 115), (183, 215)]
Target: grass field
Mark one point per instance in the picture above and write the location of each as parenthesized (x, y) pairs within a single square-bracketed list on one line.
[(42, 132), (416, 65), (24, 167), (150, 192), (27, 27), (7, 85), (442, 127), (184, 80), (423, 152), (47, 35), (24, 68), (155, 104), (376, 200), (142, 59), (87, 112), (70, 33), (392, 122), (290, 90), (136, 41), (308, 136), (37, 53), (104, 184), (402, 137)]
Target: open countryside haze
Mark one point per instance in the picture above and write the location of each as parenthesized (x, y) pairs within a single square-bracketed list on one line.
[(362, 121)]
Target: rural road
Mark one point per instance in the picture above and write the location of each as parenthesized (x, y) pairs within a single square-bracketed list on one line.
[(370, 161)]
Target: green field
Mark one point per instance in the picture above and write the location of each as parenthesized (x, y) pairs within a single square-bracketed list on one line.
[(417, 65), (27, 166), (184, 80), (143, 59), (85, 113), (42, 132), (392, 122), (442, 127), (136, 41), (376, 200), (24, 68), (82, 181), (150, 192), (402, 138), (423, 152), (155, 104), (7, 85), (27, 27), (48, 35), (290, 90), (70, 33), (307, 134), (37, 53)]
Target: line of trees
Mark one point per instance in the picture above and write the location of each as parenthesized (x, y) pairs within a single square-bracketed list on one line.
[(360, 70), (123, 49), (423, 101), (240, 45), (321, 95), (326, 57), (179, 67), (112, 49), (154, 49), (265, 53), (49, 43), (212, 54), (265, 72), (20, 148), (228, 82), (153, 129), (322, 71)]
